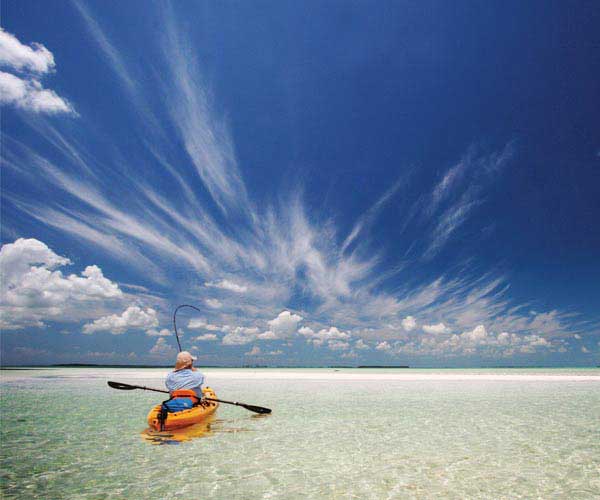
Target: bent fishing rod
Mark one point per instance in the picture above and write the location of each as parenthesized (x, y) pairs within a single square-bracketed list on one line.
[(175, 321)]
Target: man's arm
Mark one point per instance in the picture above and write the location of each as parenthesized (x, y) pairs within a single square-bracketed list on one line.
[(198, 378)]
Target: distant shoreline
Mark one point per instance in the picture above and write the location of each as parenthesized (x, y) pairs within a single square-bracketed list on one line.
[(337, 367)]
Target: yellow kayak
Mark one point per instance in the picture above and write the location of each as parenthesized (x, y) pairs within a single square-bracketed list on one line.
[(183, 418)]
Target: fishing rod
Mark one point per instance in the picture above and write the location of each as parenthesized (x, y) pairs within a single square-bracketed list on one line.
[(175, 321)]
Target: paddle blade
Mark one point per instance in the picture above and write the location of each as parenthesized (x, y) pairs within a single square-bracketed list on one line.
[(121, 386), (256, 409)]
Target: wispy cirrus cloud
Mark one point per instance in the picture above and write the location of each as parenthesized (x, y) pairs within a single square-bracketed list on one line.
[(107, 49), (186, 223)]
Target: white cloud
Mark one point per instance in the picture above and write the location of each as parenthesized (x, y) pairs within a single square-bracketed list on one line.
[(323, 335), (26, 91), (163, 349), (158, 333), (338, 345), (466, 198), (436, 329), (360, 344), (249, 330), (268, 335), (584, 349), (306, 331), (237, 338), (369, 216), (32, 290), (284, 325), (29, 94), (240, 334), (478, 334), (214, 303), (478, 341), (227, 285), (201, 324), (206, 337), (255, 351), (409, 323), (196, 323), (133, 318), (35, 58), (577, 336), (383, 346)]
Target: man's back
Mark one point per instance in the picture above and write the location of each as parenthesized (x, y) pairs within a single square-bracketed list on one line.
[(185, 379)]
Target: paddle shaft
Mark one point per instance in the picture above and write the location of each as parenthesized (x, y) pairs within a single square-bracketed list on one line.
[(127, 387)]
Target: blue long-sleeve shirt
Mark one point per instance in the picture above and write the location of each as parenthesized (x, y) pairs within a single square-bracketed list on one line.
[(185, 379)]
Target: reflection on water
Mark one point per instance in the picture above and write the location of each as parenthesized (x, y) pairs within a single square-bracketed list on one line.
[(211, 425), (176, 436)]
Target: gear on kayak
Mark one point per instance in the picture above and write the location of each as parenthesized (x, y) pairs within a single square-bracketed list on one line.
[(163, 417)]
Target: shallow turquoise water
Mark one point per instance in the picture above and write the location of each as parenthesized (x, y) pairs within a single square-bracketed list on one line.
[(333, 434)]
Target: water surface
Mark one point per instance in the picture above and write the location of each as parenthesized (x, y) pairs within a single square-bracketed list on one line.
[(493, 433)]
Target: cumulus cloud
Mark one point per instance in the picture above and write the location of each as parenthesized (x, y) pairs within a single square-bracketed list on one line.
[(201, 324), (29, 94), (255, 351), (383, 346), (409, 323), (158, 333), (240, 335), (437, 329), (26, 91), (206, 337), (35, 58), (284, 325), (338, 345), (162, 349), (33, 290), (227, 285), (238, 338), (477, 341), (330, 335), (360, 344), (133, 318), (268, 335), (214, 303), (478, 334)]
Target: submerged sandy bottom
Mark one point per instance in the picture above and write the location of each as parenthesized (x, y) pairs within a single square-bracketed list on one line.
[(333, 434)]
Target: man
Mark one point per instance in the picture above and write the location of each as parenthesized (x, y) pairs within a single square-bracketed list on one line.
[(185, 376)]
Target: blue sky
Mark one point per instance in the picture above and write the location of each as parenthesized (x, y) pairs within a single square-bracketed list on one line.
[(330, 182)]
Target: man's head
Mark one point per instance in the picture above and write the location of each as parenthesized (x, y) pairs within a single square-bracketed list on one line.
[(184, 360)]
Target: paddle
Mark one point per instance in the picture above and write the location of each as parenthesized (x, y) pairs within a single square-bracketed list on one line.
[(127, 387)]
